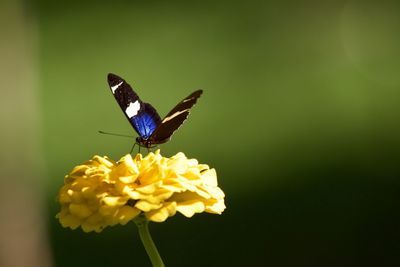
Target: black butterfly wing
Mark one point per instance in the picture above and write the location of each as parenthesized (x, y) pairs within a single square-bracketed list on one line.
[(174, 119), (142, 116)]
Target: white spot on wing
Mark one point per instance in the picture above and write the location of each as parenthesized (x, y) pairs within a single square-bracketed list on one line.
[(115, 87), (186, 100), (174, 115), (132, 109)]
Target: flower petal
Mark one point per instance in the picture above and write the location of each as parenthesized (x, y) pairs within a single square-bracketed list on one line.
[(189, 208), (160, 215), (101, 192)]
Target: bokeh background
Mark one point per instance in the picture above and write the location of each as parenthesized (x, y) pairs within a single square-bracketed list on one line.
[(300, 117)]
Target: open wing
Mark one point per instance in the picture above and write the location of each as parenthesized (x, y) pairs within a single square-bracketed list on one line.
[(142, 116), (174, 119)]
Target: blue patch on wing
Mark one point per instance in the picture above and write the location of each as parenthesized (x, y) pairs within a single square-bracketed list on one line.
[(145, 123)]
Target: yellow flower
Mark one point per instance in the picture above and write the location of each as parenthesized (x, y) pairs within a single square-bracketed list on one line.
[(102, 192)]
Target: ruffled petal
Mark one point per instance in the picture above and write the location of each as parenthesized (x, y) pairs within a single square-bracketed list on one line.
[(102, 192)]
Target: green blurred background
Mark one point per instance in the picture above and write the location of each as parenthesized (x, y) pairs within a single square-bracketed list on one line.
[(300, 117)]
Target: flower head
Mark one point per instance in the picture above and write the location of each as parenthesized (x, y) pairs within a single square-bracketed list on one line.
[(102, 192)]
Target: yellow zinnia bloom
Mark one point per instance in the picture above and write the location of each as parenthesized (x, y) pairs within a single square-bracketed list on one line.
[(102, 192)]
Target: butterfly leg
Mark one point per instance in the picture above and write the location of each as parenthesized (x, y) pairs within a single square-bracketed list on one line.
[(152, 148), (133, 148)]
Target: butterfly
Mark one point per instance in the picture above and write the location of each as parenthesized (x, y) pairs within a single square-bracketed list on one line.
[(144, 117)]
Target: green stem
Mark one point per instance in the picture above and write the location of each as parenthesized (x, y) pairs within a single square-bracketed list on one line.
[(151, 249)]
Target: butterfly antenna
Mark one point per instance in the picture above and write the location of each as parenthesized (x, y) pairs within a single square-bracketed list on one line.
[(115, 134)]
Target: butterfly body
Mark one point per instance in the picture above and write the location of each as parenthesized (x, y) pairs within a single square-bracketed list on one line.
[(144, 117)]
